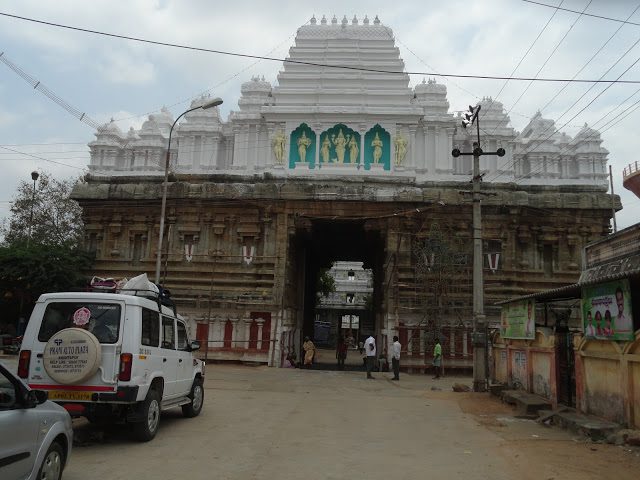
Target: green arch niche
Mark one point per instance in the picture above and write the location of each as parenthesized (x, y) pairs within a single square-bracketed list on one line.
[(302, 132), (369, 138), (330, 141)]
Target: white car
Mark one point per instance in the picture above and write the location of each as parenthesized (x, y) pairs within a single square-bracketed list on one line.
[(112, 357), (35, 434)]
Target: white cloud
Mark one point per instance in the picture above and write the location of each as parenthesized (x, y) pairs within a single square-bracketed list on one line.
[(122, 79)]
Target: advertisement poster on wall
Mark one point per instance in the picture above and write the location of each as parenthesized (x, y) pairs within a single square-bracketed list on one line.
[(518, 320), (606, 311)]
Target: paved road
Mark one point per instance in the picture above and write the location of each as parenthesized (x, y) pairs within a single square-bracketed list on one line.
[(265, 423)]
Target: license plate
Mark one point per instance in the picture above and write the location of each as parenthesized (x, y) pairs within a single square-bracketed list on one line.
[(66, 395)]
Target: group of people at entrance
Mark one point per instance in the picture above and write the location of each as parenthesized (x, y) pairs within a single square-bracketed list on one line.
[(396, 347), (369, 352)]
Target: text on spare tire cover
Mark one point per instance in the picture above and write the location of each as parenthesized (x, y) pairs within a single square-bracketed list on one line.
[(71, 355)]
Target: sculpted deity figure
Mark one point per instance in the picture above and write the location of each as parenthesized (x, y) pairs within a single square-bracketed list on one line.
[(377, 148), (354, 150), (278, 145), (340, 142), (303, 144), (401, 149), (324, 150)]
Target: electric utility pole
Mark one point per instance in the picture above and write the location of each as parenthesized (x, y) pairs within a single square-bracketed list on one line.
[(479, 337)]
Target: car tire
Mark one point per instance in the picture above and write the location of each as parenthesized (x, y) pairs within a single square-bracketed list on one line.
[(146, 429), (196, 395), (53, 463)]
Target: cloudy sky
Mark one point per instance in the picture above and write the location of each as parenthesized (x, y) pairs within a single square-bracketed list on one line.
[(125, 80)]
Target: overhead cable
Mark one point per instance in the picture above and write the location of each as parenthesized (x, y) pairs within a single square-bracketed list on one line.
[(315, 64)]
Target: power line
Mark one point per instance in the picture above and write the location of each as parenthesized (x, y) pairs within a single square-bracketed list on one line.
[(314, 64), (547, 60), (532, 148), (40, 158), (587, 14), (591, 59), (520, 62)]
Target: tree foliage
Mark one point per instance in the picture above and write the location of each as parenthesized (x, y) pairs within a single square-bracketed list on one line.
[(57, 219), (326, 284), (27, 272), (48, 260)]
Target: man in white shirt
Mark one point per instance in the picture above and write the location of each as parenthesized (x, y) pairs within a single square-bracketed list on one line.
[(370, 350), (395, 357)]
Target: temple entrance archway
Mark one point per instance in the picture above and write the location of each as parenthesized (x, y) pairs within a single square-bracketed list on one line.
[(317, 244)]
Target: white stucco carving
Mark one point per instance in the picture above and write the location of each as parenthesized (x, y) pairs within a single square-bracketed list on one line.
[(256, 138)]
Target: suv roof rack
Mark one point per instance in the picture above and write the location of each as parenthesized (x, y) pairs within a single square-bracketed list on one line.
[(162, 297)]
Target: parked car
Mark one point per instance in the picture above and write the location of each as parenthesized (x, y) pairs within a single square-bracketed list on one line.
[(112, 357), (36, 434)]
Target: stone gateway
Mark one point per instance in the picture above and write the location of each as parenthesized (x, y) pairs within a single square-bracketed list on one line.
[(339, 164)]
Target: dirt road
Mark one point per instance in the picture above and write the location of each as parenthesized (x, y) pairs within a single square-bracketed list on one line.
[(265, 423)]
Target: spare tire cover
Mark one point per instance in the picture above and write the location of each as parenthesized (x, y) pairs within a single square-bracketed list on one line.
[(72, 356)]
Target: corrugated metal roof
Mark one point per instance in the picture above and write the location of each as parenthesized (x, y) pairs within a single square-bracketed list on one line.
[(571, 291)]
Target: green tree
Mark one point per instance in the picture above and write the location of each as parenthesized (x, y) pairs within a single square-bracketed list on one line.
[(57, 219), (325, 285), (46, 259)]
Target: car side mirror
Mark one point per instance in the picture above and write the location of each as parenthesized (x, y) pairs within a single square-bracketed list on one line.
[(41, 396), (195, 345), (33, 398)]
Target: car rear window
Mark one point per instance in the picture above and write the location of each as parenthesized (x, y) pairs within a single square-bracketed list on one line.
[(101, 319)]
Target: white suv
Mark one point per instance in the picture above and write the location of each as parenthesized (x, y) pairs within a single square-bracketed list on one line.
[(108, 357)]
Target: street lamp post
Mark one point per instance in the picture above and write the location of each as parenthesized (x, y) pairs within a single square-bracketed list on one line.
[(480, 368), (212, 103), (34, 177)]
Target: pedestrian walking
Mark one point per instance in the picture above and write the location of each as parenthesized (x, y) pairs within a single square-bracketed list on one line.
[(437, 358), (370, 349), (395, 357)]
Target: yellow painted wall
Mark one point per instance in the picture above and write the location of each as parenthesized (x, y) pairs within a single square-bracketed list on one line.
[(541, 370), (603, 393)]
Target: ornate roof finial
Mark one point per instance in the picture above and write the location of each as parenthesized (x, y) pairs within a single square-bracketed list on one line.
[(324, 20), (366, 20), (313, 19), (376, 21), (334, 20), (344, 20), (354, 21), (423, 80)]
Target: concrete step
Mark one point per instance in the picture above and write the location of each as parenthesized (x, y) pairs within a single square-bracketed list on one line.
[(526, 403), (594, 428)]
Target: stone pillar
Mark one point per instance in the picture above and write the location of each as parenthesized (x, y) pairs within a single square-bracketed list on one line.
[(449, 147), (422, 342), (464, 343), (214, 333), (452, 342), (362, 132), (234, 332), (410, 158), (440, 165), (257, 149), (316, 154), (410, 341), (260, 322), (247, 332)]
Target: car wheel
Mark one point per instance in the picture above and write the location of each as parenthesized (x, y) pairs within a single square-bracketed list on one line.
[(53, 463), (146, 429), (194, 408)]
